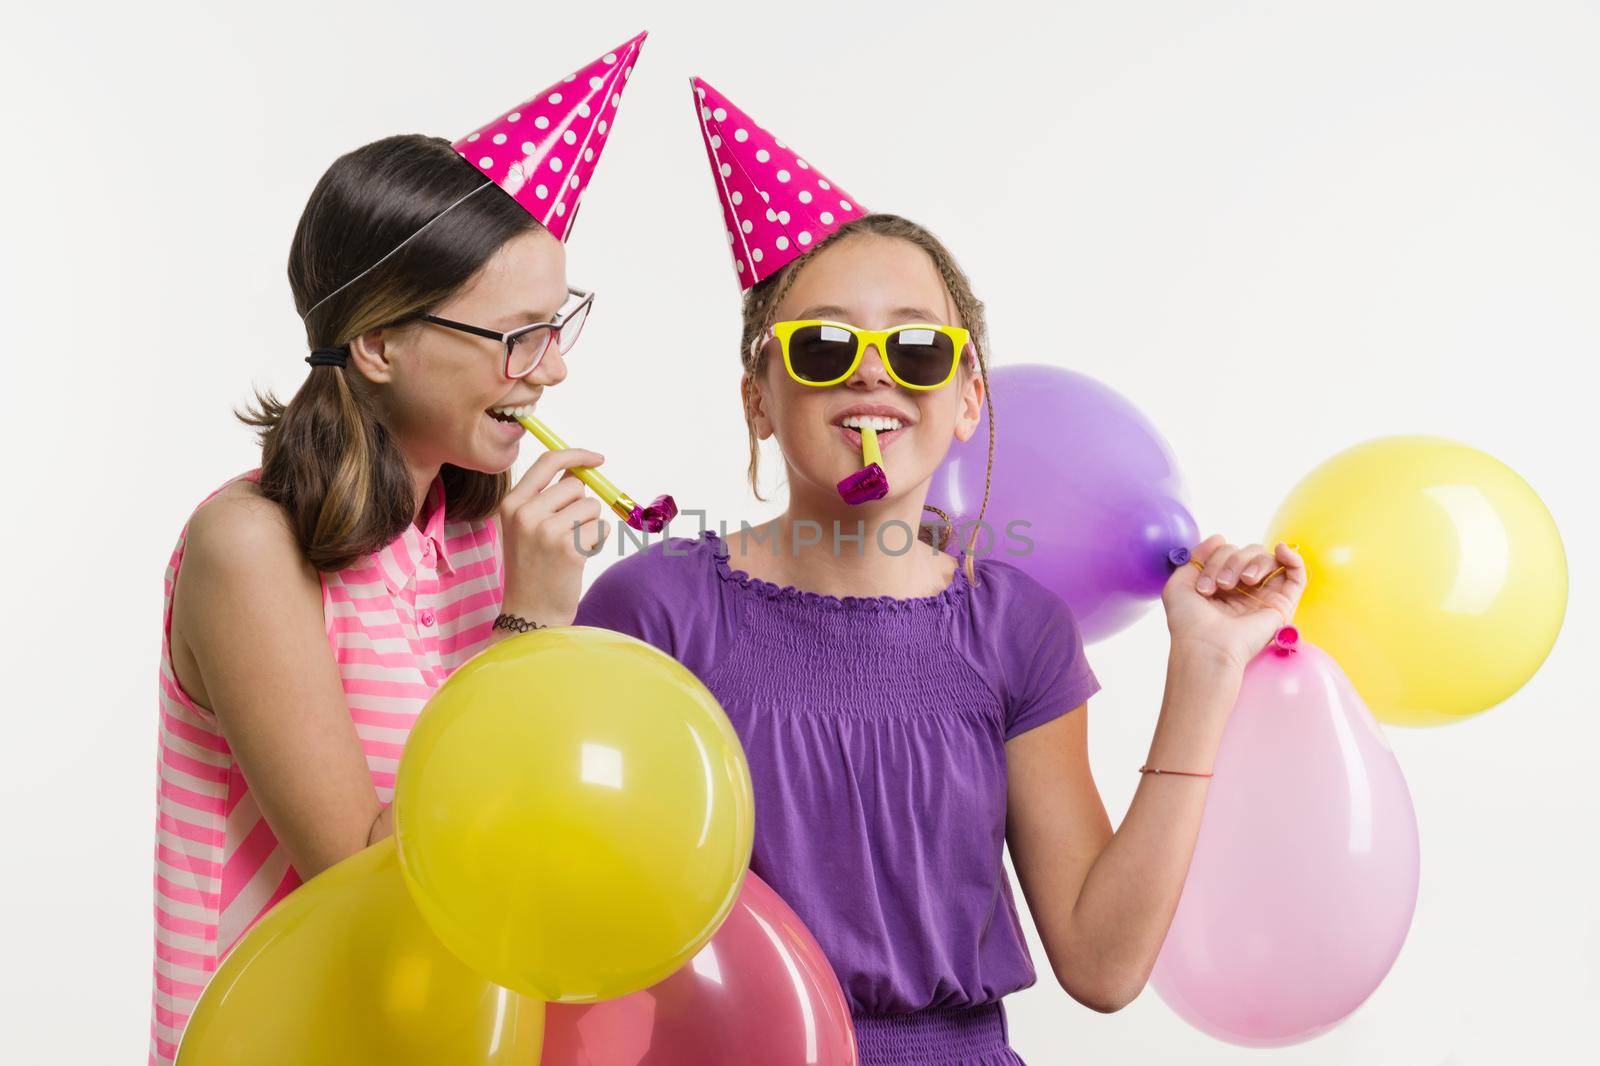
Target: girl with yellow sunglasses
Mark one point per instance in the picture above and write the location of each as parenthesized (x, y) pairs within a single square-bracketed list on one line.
[(905, 715)]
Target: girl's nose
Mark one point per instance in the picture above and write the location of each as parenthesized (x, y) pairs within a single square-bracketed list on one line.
[(552, 368), (871, 372)]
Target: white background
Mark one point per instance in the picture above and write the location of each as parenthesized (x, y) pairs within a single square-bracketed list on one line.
[(1279, 228)]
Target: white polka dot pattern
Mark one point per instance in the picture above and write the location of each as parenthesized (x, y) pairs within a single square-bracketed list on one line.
[(775, 205), (544, 151)]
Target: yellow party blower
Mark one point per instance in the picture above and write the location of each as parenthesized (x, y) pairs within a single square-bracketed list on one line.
[(650, 519)]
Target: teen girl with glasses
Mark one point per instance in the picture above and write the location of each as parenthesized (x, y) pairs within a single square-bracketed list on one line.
[(314, 603)]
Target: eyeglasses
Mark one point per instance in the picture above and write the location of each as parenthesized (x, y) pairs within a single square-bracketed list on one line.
[(526, 345), (917, 355)]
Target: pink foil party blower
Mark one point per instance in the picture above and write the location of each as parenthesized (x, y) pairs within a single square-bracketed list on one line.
[(870, 482)]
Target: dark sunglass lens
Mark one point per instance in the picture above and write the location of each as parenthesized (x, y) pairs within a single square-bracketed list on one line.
[(821, 353), (921, 356)]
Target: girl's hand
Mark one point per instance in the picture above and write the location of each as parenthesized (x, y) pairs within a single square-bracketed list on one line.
[(544, 557), (1207, 609)]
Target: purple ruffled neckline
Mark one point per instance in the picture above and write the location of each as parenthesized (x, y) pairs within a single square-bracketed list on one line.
[(954, 591)]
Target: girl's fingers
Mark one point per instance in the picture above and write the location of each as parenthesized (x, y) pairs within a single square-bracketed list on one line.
[(1283, 596), (1206, 557), (556, 528), (1225, 566), (544, 468), (1284, 562), (1226, 570), (531, 512), (1294, 567), (1198, 556), (572, 518), (592, 534), (582, 509), (1256, 566)]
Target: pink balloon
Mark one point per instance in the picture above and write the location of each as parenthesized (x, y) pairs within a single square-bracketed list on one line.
[(1304, 877), (760, 991)]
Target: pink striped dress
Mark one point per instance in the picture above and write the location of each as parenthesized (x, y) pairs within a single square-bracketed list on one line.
[(398, 623)]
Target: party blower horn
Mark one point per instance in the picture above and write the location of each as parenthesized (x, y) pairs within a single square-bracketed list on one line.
[(870, 482), (648, 519)]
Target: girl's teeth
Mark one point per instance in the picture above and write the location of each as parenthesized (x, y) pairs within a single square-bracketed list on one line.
[(877, 423)]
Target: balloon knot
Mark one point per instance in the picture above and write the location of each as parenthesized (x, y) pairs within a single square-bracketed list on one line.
[(1285, 639)]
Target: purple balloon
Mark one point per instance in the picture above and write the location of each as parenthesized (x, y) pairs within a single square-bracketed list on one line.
[(1095, 483), (1304, 876)]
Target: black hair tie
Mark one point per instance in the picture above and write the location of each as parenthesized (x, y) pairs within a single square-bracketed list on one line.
[(328, 356)]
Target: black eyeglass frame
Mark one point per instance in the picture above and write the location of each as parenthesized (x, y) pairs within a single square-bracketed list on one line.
[(510, 338)]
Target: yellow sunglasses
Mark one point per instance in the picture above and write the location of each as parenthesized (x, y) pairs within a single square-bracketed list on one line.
[(918, 355)]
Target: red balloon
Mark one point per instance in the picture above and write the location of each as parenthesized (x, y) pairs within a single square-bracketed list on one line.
[(760, 991)]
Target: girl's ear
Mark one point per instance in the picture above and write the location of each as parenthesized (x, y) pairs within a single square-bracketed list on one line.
[(370, 357), (755, 405), (971, 405)]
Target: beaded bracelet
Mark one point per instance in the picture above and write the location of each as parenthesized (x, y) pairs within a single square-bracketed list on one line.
[(521, 625)]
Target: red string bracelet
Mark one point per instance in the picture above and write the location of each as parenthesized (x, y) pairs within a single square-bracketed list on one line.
[(1185, 773)]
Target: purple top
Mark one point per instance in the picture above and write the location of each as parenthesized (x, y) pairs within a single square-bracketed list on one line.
[(875, 729)]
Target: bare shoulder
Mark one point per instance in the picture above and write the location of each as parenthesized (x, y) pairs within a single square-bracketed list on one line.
[(239, 528), (240, 559)]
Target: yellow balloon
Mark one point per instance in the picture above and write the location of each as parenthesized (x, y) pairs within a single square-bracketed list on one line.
[(1437, 577), (344, 972), (574, 813)]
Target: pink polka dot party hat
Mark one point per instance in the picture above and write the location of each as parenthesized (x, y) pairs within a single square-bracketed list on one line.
[(543, 151), (775, 204)]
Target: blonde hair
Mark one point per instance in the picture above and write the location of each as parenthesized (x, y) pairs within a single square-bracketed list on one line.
[(760, 305)]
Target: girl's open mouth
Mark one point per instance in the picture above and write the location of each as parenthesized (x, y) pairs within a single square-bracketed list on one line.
[(505, 419), (889, 430), (509, 412)]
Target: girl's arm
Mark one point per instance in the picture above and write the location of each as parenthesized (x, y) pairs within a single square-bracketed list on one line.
[(1103, 901), (249, 608)]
